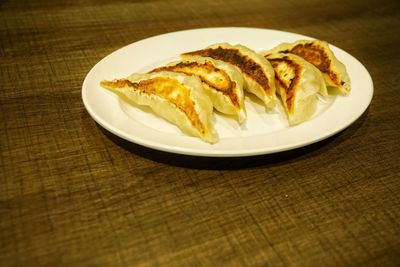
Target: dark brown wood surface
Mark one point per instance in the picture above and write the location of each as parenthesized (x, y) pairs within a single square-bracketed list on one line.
[(72, 194)]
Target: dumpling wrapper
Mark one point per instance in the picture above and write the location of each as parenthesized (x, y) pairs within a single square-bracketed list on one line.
[(320, 55), (223, 83), (257, 72), (298, 83), (176, 97)]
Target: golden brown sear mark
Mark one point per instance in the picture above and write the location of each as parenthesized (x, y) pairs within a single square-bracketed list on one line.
[(117, 84), (316, 55), (167, 88), (287, 84), (243, 62), (213, 77)]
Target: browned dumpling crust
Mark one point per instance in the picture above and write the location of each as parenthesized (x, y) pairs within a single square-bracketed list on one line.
[(319, 54), (298, 82), (176, 97), (243, 62), (213, 77), (166, 88), (257, 72)]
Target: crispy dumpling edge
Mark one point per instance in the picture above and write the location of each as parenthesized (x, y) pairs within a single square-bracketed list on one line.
[(165, 109), (310, 82), (249, 84), (220, 101), (337, 66)]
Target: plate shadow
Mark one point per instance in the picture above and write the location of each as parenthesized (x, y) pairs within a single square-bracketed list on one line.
[(234, 163)]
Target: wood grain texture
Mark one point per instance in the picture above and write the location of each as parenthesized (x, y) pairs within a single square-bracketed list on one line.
[(72, 194)]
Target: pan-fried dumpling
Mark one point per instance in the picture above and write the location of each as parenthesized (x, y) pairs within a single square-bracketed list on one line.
[(221, 80), (298, 82), (176, 97), (320, 55), (256, 70)]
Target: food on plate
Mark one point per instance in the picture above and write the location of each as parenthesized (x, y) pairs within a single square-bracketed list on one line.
[(256, 70), (320, 55), (298, 82), (177, 97), (222, 82), (185, 92)]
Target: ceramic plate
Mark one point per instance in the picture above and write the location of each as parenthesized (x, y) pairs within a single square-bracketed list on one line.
[(262, 133)]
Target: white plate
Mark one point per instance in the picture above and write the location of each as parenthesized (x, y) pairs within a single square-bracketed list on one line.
[(262, 133)]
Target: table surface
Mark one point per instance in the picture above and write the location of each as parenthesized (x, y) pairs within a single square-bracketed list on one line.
[(73, 194)]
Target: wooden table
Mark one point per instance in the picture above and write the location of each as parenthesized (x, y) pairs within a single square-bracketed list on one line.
[(72, 194)]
